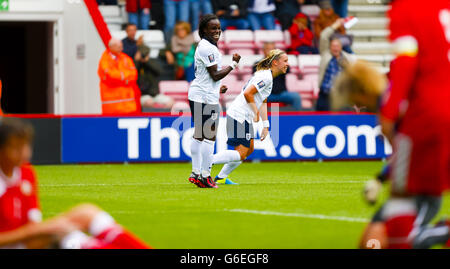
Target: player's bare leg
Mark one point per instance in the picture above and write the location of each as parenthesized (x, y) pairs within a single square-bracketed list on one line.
[(41, 242), (229, 167), (374, 236), (91, 219)]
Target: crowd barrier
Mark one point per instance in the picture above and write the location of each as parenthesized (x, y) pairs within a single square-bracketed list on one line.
[(166, 138)]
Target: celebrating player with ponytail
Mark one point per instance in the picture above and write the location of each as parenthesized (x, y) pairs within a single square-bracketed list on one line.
[(247, 108)]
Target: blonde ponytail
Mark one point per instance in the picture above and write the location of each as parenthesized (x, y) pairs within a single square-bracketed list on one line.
[(266, 63)]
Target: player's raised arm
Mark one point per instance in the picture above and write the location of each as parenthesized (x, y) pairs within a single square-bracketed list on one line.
[(217, 75)]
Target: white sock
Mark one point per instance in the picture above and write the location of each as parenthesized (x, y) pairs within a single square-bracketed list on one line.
[(74, 240), (196, 155), (228, 168), (226, 156), (207, 150), (101, 223)]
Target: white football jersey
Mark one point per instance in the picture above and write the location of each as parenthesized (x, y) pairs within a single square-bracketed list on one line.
[(239, 108), (203, 88)]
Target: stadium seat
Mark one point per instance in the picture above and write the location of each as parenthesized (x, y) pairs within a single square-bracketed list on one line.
[(276, 36), (241, 51), (246, 63), (119, 34), (246, 77), (293, 64), (152, 38), (296, 85), (112, 16), (230, 80), (234, 88), (305, 88), (113, 27), (312, 11), (110, 10), (227, 59), (239, 39), (180, 106), (177, 89), (314, 78), (309, 63), (287, 38)]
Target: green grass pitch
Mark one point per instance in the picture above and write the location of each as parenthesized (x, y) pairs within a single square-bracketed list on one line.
[(276, 205)]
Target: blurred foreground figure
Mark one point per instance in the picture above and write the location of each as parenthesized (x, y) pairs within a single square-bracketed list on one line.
[(358, 85), (415, 117), (85, 226)]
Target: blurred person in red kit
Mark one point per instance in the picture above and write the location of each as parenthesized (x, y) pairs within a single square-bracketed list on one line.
[(415, 117), (85, 226)]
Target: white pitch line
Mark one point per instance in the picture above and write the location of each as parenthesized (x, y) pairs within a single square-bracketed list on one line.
[(299, 215), (95, 184)]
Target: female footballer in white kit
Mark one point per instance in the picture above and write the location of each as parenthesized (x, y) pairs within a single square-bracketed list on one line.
[(203, 98), (248, 106)]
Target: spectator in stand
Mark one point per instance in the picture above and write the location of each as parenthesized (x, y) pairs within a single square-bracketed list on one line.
[(286, 11), (301, 37), (174, 10), (260, 14), (279, 92), (231, 13), (340, 7), (331, 63), (326, 18), (107, 2), (183, 48), (118, 78), (148, 72), (129, 42), (199, 8), (139, 13)]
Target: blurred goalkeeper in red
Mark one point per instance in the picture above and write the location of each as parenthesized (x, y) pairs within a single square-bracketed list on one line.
[(420, 93), (84, 226)]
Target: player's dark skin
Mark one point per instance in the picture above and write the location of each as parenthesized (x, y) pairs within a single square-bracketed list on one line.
[(212, 33)]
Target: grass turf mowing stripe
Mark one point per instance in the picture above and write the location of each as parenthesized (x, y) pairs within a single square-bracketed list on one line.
[(299, 215)]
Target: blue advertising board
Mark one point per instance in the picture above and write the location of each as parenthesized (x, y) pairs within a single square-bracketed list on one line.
[(161, 139)]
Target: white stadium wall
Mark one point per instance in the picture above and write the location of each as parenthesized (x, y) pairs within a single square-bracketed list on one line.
[(77, 48), (82, 93)]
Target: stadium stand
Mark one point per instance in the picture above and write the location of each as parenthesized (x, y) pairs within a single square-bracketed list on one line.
[(370, 44), (178, 90), (276, 36), (152, 38), (239, 39), (312, 11), (309, 63), (113, 16), (304, 87)]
